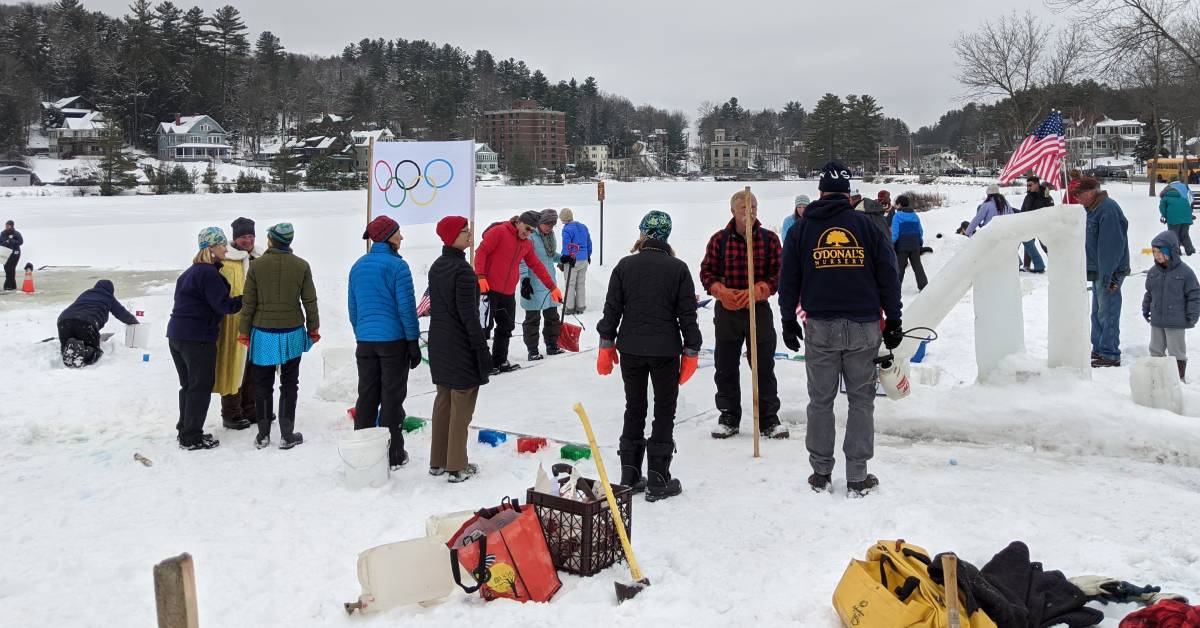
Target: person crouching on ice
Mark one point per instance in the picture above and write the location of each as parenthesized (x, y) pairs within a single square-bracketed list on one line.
[(1172, 301), (650, 319), (79, 325)]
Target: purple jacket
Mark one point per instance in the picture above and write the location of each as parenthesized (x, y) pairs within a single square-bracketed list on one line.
[(201, 301)]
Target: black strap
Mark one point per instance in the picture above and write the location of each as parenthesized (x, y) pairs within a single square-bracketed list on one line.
[(481, 573), (911, 553), (910, 585), (884, 558)]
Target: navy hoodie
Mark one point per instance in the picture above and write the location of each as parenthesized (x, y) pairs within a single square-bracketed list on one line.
[(201, 301), (838, 264), (94, 306)]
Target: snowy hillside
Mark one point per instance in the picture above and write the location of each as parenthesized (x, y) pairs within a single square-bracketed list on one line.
[(1093, 483)]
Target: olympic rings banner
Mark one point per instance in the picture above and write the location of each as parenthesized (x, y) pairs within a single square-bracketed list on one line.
[(422, 182)]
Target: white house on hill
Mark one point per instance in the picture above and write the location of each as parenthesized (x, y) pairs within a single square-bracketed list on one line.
[(192, 138), (77, 137)]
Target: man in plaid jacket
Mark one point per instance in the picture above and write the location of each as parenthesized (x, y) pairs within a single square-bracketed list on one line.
[(723, 274)]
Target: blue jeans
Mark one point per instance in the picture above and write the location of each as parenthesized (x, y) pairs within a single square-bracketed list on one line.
[(1035, 256), (1106, 320)]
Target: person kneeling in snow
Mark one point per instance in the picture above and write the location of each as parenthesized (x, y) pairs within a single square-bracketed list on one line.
[(650, 317), (79, 325), (842, 267), (1172, 301)]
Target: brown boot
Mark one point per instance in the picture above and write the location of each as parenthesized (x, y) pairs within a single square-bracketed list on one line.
[(1182, 364)]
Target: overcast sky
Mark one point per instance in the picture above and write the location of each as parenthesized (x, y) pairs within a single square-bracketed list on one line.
[(670, 53)]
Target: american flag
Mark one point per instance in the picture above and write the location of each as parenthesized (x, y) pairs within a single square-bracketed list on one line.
[(423, 305), (1041, 153)]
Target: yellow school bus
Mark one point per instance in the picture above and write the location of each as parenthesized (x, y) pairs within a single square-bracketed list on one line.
[(1166, 169)]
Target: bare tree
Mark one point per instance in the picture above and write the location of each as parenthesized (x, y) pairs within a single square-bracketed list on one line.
[(1129, 25)]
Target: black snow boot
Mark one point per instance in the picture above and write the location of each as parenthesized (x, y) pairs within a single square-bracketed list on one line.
[(632, 453), (660, 484), (397, 457), (264, 411), (727, 426), (288, 437), (820, 483), (860, 489)]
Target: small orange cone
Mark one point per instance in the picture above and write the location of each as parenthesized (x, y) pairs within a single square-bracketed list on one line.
[(28, 285)]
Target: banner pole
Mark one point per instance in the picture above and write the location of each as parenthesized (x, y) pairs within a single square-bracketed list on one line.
[(370, 181), (471, 222)]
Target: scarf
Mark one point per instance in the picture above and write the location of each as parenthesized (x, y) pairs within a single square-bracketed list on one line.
[(549, 243)]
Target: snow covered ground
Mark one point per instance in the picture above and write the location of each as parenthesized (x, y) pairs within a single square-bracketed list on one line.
[(1093, 483)]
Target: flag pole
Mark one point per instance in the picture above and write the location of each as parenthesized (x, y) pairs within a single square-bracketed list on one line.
[(370, 181), (471, 222)]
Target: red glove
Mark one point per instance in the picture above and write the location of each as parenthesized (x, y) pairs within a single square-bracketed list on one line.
[(606, 358), (314, 336), (556, 294), (728, 298), (484, 288), (762, 291), (687, 367), (244, 340)]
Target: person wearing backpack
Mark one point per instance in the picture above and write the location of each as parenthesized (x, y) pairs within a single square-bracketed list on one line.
[(1175, 206), (908, 239), (723, 273), (649, 328)]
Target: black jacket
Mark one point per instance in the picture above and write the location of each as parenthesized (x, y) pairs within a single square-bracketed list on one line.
[(12, 239), (93, 306), (651, 305), (458, 352), (838, 264), (1037, 200)]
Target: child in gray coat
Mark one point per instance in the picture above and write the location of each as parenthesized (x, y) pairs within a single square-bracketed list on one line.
[(1172, 301)]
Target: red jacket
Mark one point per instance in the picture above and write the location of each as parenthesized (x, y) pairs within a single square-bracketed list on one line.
[(499, 255)]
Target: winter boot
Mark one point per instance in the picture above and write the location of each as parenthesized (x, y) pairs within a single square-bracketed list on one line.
[(201, 444), (504, 367), (397, 457), (264, 411), (774, 429), (554, 350), (262, 441), (727, 426), (660, 484), (1182, 364), (534, 356), (820, 483), (288, 437), (632, 454), (238, 423), (462, 476), (860, 489), (73, 353)]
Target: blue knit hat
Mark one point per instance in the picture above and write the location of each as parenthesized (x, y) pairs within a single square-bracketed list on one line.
[(211, 236), (282, 233), (657, 225)]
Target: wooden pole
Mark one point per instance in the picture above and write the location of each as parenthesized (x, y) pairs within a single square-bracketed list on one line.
[(471, 222), (175, 592), (950, 578), (753, 309), (370, 182)]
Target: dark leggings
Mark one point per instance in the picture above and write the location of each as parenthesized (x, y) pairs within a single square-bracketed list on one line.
[(196, 364)]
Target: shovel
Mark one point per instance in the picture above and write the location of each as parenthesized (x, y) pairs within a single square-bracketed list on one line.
[(624, 591)]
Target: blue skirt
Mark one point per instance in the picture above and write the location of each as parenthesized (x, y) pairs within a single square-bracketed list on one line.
[(272, 348)]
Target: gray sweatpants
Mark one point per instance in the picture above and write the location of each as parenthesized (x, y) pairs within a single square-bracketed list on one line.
[(1164, 341), (576, 292), (835, 349)]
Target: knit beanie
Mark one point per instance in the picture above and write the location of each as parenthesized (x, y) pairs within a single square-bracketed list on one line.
[(242, 227), (835, 178), (802, 199), (449, 227), (282, 233), (656, 224), (566, 214), (548, 217), (211, 236), (380, 229), (530, 218)]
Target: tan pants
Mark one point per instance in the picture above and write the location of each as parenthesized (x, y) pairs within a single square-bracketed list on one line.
[(452, 413)]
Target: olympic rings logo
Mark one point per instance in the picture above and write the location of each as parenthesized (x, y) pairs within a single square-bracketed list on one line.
[(406, 175)]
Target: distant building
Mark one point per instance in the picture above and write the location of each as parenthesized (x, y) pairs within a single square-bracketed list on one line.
[(486, 160), (192, 138), (361, 146), (941, 161), (595, 153), (528, 129), (330, 146), (70, 107), (728, 156), (17, 176), (77, 137)]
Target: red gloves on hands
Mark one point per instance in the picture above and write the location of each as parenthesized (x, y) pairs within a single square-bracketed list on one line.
[(762, 291), (244, 340), (314, 336), (687, 367), (484, 288), (556, 294), (606, 357), (731, 300)]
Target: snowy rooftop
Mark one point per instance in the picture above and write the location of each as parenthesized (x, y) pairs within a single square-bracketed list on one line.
[(1110, 122), (93, 121), (185, 124), (200, 145)]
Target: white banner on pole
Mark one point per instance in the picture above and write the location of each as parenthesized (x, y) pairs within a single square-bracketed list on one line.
[(417, 183)]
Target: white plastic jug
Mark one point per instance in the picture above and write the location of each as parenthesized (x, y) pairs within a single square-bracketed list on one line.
[(893, 376), (365, 457)]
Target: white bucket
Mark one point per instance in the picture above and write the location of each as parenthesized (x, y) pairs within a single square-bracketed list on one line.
[(5, 253), (365, 457), (137, 336)]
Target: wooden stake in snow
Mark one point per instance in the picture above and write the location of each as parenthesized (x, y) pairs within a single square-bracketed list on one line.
[(175, 592), (950, 577), (753, 308)]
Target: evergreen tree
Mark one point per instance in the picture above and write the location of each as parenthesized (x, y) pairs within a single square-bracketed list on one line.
[(863, 118), (210, 176), (283, 170), (585, 168), (180, 179), (321, 173), (1148, 143), (825, 130), (521, 169), (116, 166)]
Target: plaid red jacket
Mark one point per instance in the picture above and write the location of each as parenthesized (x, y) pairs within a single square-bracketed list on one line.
[(730, 269)]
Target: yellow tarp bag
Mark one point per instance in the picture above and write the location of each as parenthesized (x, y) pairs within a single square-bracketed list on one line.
[(892, 589)]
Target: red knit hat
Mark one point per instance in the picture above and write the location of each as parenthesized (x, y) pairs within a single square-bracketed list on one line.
[(380, 229), (449, 227)]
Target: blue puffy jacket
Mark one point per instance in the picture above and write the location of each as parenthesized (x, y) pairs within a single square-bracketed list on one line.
[(541, 294), (907, 233), (576, 233), (382, 305)]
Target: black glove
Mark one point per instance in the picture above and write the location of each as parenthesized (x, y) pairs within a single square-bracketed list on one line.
[(567, 259), (414, 354), (893, 334), (483, 359), (526, 288), (792, 335)]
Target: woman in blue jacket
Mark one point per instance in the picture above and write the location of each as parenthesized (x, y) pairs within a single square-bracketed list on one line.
[(908, 238), (201, 301), (536, 298)]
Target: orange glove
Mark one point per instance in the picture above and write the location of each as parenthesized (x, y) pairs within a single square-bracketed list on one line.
[(687, 367), (556, 294), (316, 337), (762, 291), (726, 296), (244, 340), (484, 288), (606, 357)]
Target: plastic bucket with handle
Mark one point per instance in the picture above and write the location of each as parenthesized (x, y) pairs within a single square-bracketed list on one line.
[(365, 457)]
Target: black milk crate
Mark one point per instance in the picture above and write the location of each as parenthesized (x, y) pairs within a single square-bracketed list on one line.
[(582, 537)]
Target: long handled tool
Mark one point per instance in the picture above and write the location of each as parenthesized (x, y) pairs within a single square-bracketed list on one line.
[(950, 577), (753, 309), (624, 591)]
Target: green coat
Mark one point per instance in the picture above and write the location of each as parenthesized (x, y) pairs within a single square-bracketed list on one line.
[(278, 284), (1176, 209)]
